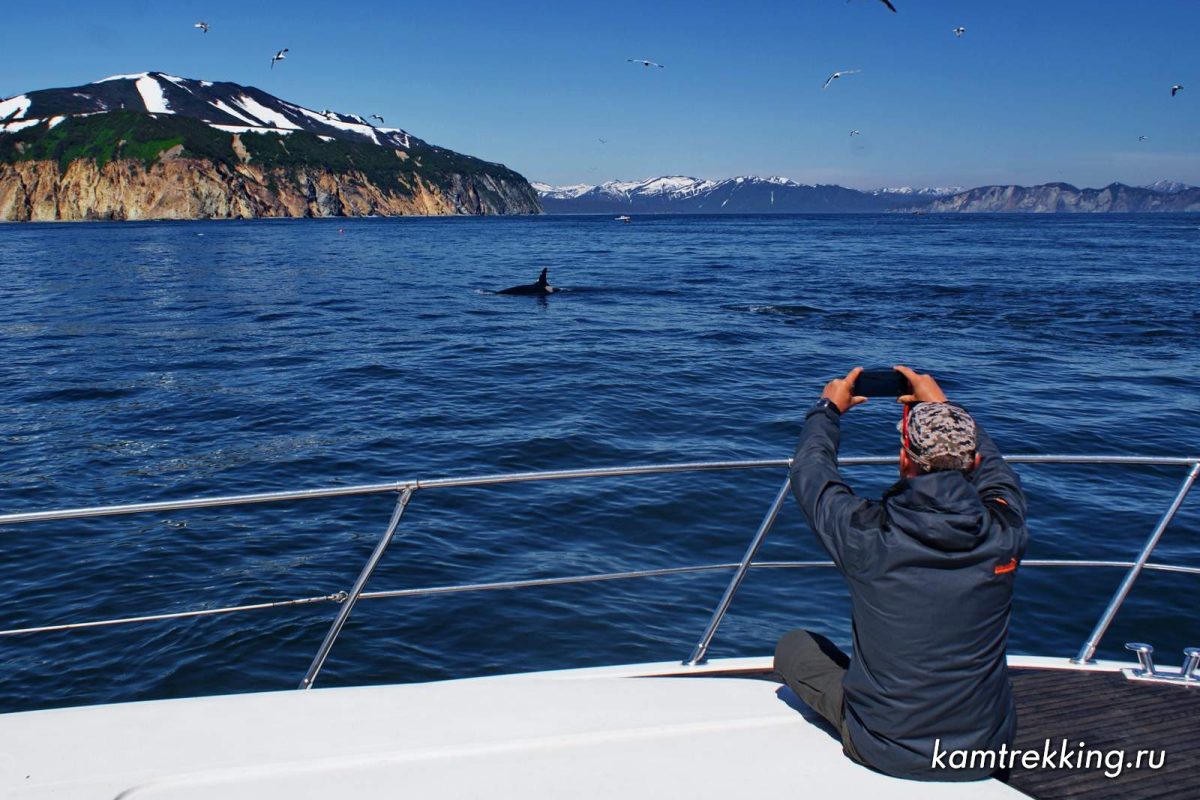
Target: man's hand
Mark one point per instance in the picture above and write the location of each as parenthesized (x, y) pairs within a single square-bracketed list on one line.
[(924, 388), (838, 391)]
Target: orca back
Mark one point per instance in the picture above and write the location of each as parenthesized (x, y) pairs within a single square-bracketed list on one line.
[(542, 286)]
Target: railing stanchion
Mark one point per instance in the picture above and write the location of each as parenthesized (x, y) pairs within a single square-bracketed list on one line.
[(348, 606), (701, 649), (1089, 647)]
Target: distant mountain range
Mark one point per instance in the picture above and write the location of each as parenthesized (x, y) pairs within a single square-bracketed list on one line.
[(754, 195), (152, 145), (1065, 198)]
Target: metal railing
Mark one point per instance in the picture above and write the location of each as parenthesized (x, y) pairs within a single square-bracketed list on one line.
[(407, 489)]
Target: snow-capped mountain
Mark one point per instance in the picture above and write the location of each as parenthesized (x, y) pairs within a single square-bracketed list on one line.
[(1168, 187), (754, 195), (157, 146), (668, 186), (746, 194), (923, 191), (561, 192), (225, 106)]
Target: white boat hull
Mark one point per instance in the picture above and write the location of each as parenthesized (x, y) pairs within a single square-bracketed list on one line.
[(587, 733)]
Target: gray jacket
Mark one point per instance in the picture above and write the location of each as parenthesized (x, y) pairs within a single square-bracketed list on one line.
[(930, 569)]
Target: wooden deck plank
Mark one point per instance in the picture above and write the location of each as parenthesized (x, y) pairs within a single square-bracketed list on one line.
[(1106, 711)]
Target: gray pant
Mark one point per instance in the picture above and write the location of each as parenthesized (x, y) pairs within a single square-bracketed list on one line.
[(813, 667)]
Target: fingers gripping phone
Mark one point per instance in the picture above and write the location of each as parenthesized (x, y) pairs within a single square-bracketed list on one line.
[(880, 383)]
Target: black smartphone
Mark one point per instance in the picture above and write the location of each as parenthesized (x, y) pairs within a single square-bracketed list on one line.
[(880, 383)]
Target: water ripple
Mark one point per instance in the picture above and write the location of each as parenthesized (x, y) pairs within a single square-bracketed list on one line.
[(145, 362)]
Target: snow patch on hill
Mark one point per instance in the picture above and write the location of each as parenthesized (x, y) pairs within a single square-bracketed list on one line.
[(152, 95), (15, 107), (251, 129), (133, 77), (13, 127), (263, 114), (221, 105)]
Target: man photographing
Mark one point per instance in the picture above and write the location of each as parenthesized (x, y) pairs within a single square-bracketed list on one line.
[(930, 568)]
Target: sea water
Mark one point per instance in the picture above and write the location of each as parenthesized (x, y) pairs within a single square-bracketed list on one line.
[(158, 361)]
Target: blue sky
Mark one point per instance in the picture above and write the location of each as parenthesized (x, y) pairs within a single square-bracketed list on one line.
[(1033, 92)]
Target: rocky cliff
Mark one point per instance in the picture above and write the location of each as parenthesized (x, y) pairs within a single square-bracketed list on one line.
[(1063, 197), (188, 188), (153, 146)]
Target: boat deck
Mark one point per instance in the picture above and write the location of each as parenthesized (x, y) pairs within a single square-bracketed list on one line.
[(1107, 711), (649, 730), (592, 736), (1102, 711)]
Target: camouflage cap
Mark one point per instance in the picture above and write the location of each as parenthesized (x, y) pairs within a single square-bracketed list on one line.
[(941, 436)]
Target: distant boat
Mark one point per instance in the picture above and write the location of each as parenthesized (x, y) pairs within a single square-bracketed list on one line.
[(624, 218)]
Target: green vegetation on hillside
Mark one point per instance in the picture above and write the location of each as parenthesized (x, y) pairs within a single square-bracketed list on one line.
[(115, 135), (299, 149), (143, 137)]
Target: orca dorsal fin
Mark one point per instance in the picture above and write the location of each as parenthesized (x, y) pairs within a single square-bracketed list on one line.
[(542, 281)]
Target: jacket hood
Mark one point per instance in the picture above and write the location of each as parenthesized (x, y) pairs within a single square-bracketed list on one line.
[(941, 510)]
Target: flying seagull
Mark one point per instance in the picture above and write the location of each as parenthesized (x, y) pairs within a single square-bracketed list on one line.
[(376, 116), (1176, 89), (1143, 138), (278, 57), (837, 75), (202, 26), (644, 62), (603, 141), (855, 132), (959, 31), (886, 3)]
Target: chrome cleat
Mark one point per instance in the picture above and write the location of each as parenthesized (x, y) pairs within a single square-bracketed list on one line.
[(1188, 675), (1191, 660), (1145, 654)]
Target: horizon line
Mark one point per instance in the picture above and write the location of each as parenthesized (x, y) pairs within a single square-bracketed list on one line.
[(913, 186)]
